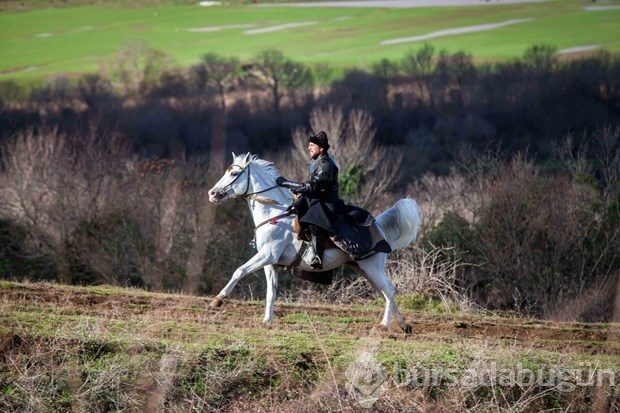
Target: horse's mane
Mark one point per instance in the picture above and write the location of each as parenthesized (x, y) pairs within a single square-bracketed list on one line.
[(267, 166), (269, 171)]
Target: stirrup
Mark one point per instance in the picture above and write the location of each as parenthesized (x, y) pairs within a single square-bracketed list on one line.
[(316, 263), (318, 245)]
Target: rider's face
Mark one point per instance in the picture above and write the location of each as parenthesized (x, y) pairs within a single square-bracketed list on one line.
[(314, 150)]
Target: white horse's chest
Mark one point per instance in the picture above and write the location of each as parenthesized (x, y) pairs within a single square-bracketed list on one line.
[(281, 241)]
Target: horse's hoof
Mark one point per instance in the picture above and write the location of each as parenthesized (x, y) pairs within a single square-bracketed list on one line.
[(216, 302), (379, 330), (408, 329)]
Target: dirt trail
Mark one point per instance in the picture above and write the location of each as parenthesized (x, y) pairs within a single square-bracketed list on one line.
[(350, 321)]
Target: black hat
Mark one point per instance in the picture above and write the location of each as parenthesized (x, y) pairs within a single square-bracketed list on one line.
[(320, 139)]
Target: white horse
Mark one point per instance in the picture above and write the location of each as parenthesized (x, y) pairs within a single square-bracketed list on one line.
[(254, 180)]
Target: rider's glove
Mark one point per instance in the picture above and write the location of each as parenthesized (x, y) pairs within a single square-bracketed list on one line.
[(301, 189), (296, 187)]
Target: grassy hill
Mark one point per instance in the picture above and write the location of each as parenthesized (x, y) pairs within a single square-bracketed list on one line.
[(43, 41), (86, 349)]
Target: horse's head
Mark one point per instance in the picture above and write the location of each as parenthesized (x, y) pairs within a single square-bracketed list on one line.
[(235, 182)]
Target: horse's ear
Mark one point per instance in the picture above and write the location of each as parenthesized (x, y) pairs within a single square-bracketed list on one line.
[(234, 156), (247, 158)]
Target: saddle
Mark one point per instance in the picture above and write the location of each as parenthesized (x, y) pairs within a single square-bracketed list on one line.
[(358, 239), (357, 234)]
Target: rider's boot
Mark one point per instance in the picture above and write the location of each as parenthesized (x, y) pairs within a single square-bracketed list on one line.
[(318, 246)]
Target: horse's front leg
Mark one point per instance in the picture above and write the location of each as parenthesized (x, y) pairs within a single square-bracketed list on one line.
[(271, 276), (262, 258)]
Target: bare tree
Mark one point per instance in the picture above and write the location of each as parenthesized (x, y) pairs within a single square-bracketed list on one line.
[(455, 74), (205, 210), (616, 316), (158, 196), (385, 71), (50, 184), (419, 67), (606, 153), (540, 57)]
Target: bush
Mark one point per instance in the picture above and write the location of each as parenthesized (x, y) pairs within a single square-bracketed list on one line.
[(109, 249), (537, 240), (18, 259)]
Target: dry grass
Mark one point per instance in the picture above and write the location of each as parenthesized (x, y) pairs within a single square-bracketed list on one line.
[(110, 349)]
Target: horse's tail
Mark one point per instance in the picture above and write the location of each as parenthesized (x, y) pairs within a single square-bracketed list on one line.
[(401, 223)]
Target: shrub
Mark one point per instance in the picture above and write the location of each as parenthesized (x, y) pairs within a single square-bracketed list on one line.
[(109, 249), (537, 240), (19, 260)]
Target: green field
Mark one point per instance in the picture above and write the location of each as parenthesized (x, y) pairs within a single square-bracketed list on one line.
[(40, 42)]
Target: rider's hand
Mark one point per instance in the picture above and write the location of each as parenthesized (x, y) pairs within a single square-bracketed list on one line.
[(302, 189), (280, 180)]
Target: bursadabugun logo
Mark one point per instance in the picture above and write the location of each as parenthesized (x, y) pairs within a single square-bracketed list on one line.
[(366, 379), (561, 378)]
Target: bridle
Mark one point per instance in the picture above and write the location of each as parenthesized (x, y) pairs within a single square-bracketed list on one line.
[(247, 194)]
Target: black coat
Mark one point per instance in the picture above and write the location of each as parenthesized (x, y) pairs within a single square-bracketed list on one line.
[(353, 229), (321, 205)]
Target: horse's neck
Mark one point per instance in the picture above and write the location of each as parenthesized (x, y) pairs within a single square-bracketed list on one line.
[(261, 212), (267, 204)]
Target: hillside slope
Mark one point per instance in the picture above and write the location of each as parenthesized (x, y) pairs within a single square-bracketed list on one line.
[(104, 348)]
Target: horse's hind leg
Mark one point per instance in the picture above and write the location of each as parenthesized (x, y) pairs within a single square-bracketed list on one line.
[(391, 308), (373, 269)]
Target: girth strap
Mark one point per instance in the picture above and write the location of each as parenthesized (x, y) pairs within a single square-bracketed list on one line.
[(299, 255)]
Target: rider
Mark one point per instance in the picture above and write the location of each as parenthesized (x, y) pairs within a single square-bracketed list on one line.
[(319, 204)]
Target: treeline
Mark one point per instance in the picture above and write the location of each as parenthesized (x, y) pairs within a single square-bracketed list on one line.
[(431, 103), (516, 166)]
